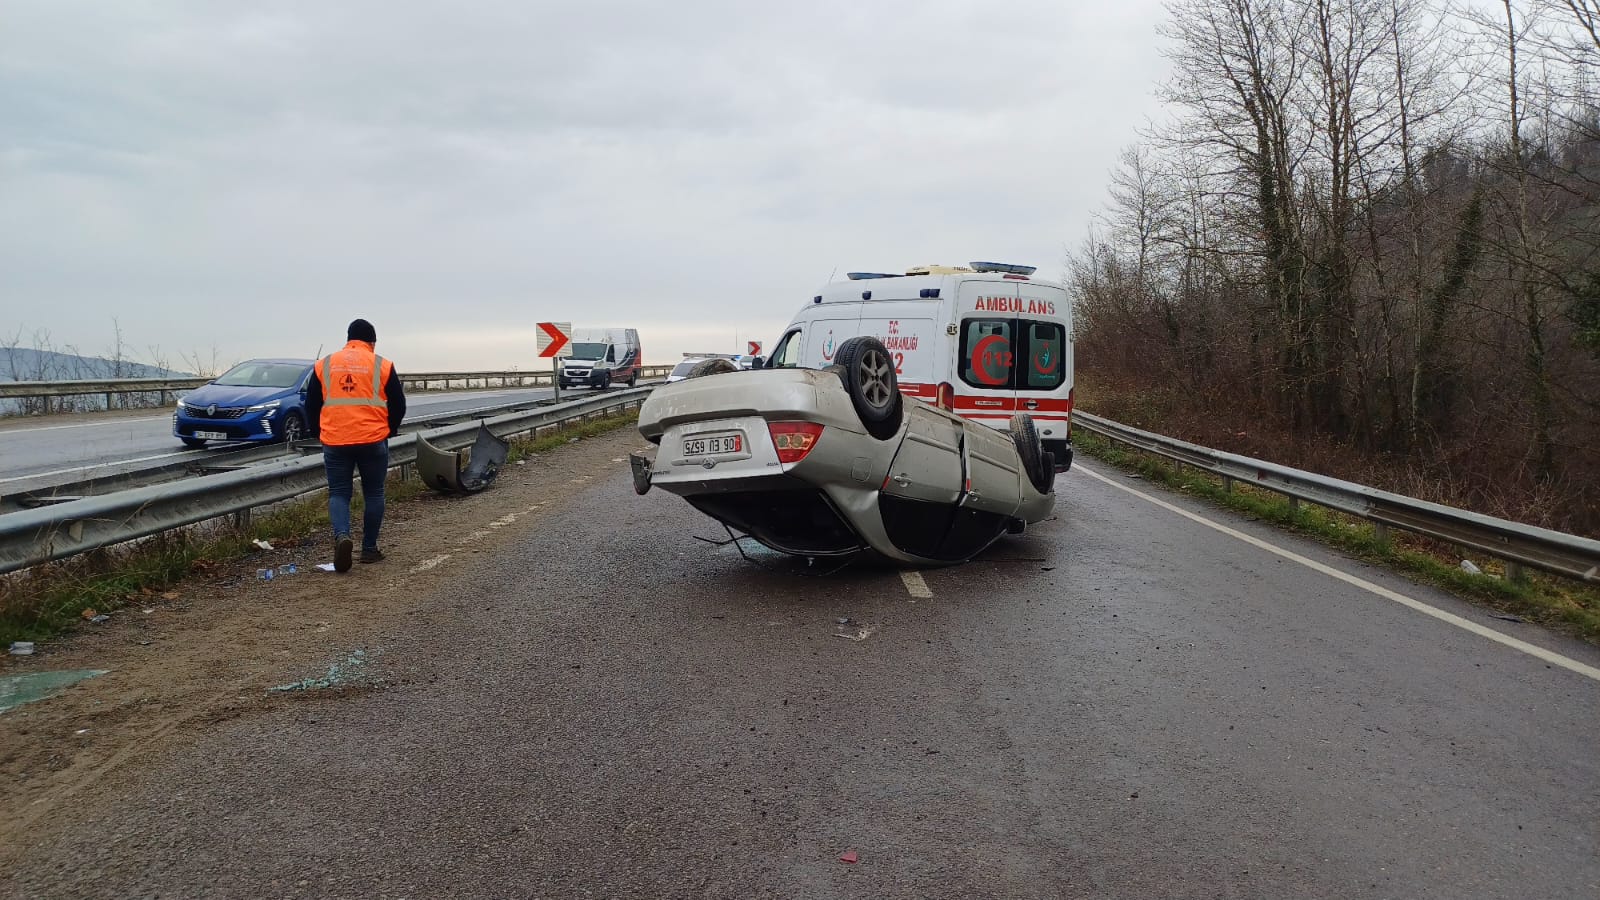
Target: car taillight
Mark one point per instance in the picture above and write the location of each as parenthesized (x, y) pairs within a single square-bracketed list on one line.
[(794, 440), (1070, 392), (945, 399)]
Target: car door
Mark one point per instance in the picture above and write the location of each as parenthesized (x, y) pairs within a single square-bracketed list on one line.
[(924, 483)]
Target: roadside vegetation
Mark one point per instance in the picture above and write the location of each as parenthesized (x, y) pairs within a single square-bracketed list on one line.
[(1367, 244), (1560, 603), (47, 600)]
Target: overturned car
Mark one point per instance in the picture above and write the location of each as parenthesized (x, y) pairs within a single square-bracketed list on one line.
[(835, 461)]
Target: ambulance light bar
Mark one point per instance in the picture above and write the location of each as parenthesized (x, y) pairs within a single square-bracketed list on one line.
[(863, 276), (1008, 268)]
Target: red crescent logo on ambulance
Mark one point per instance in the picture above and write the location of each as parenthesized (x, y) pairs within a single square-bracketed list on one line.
[(991, 360)]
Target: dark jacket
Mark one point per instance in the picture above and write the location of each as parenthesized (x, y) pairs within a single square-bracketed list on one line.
[(394, 394)]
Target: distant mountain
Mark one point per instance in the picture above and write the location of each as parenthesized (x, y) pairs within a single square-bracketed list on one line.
[(20, 364)]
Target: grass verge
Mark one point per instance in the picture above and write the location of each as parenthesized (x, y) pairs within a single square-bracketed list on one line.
[(44, 601), (1556, 602)]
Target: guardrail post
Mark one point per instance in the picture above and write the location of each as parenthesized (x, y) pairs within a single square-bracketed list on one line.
[(1380, 533), (1227, 484), (1294, 507), (241, 519), (1516, 572), (108, 401)]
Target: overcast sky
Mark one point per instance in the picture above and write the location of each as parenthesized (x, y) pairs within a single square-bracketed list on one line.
[(250, 176)]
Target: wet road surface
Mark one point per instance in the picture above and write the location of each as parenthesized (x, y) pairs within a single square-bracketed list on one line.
[(1122, 703)]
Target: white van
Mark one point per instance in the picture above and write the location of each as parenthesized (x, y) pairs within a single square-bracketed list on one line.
[(601, 357), (985, 341)]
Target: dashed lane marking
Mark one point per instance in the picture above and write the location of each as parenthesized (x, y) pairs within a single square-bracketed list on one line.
[(1532, 650), (427, 564), (915, 585)]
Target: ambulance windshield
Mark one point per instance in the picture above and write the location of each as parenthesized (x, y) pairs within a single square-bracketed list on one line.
[(588, 351)]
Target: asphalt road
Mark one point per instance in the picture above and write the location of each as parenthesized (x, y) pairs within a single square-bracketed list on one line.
[(1123, 703), (78, 444)]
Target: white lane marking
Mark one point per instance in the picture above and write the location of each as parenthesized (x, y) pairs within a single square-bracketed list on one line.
[(89, 467), (427, 564), (915, 586), (1536, 652), (6, 431)]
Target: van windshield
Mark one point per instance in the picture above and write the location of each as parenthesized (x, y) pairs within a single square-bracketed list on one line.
[(589, 351)]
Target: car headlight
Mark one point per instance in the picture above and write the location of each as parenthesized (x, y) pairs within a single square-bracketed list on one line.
[(270, 404), (181, 404)]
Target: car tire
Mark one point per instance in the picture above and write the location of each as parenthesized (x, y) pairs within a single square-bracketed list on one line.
[(867, 370), (634, 378), (1039, 465), (605, 382), (712, 367), (294, 428)]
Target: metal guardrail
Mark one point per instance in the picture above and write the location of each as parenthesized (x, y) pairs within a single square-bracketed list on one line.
[(423, 380), (31, 389), (35, 536), (29, 491), (163, 386), (1519, 544)]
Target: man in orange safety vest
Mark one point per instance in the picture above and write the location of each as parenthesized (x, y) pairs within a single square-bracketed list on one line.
[(357, 403)]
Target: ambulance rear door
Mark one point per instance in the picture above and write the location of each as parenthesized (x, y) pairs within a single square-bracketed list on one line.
[(985, 351)]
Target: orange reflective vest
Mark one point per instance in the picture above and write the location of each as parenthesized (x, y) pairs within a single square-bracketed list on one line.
[(355, 406)]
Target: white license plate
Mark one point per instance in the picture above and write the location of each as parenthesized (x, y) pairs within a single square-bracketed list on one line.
[(713, 444), (211, 435)]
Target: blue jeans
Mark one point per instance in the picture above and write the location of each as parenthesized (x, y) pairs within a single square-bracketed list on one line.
[(341, 462)]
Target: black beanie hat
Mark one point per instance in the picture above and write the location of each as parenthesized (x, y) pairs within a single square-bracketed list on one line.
[(362, 330)]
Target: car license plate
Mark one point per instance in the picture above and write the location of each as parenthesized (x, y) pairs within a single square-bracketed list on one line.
[(211, 435), (713, 444)]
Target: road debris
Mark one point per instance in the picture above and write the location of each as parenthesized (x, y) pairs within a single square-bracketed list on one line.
[(1507, 617), (325, 567), (90, 613), (265, 545), (16, 690), (338, 674), (849, 856), (100, 618), (861, 634), (842, 620), (1469, 568), (22, 648), (465, 471), (267, 574)]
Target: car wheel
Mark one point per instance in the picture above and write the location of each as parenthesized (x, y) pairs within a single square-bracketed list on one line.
[(634, 378), (712, 367), (605, 382), (294, 428), (193, 443), (869, 377), (1039, 465)]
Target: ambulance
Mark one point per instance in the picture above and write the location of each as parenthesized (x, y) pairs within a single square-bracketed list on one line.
[(985, 341)]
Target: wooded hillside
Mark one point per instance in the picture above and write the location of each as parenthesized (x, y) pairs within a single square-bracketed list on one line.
[(1370, 237)]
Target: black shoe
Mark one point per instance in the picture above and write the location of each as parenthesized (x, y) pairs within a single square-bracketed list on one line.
[(342, 549), (372, 556)]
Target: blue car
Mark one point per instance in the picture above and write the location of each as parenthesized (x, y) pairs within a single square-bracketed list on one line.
[(257, 400)]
